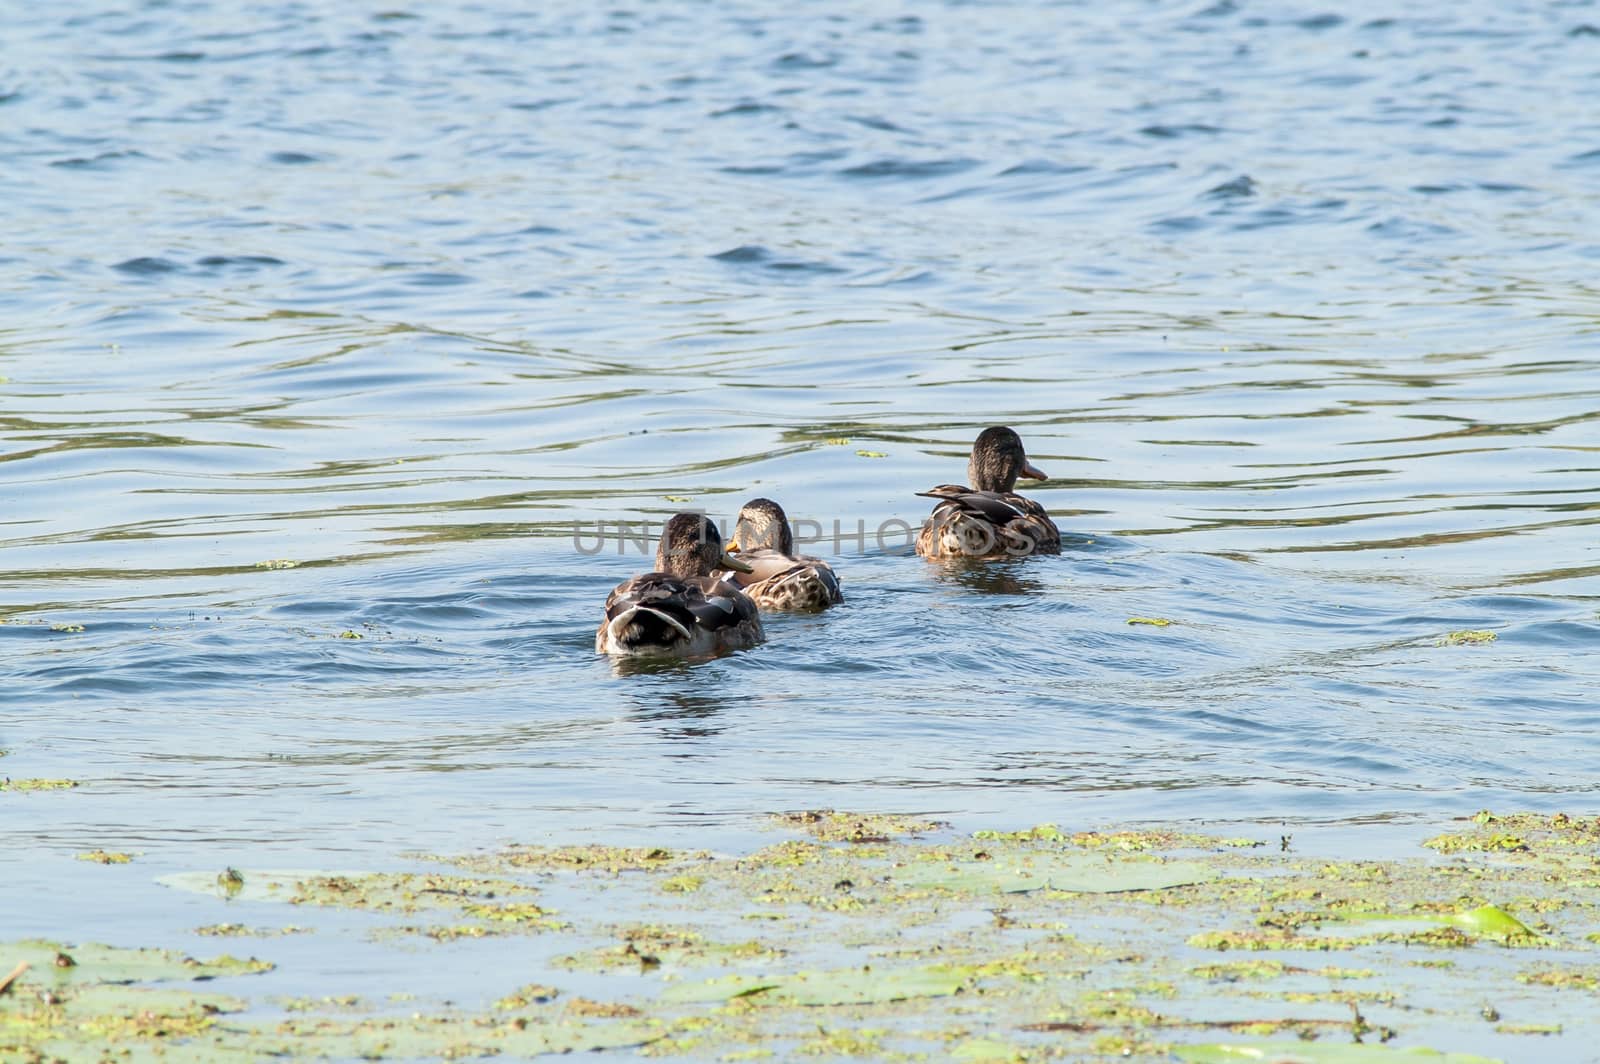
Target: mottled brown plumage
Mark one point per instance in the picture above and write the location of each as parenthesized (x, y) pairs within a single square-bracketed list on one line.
[(989, 519), (681, 609), (779, 578)]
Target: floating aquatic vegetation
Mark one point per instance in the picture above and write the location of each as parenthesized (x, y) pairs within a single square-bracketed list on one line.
[(591, 858), (1521, 833), (106, 857), (500, 905), (1007, 945), (830, 826), (1319, 1053), (652, 946), (1467, 637), (1079, 873), (92, 963), (435, 1037), (1485, 921), (532, 994), (862, 986), (1565, 980), (9, 784), (243, 931)]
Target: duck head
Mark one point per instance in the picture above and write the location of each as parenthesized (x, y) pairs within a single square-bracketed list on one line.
[(691, 546), (763, 525), (998, 460)]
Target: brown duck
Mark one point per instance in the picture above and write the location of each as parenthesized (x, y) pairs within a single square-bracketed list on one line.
[(681, 609), (778, 578), (989, 519)]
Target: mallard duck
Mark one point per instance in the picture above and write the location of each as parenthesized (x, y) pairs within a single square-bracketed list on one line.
[(778, 578), (989, 520), (681, 608)]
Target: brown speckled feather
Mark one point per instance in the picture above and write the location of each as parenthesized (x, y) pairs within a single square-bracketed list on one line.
[(985, 524), (787, 582)]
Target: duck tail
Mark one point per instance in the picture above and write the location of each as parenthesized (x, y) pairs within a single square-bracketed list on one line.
[(639, 627)]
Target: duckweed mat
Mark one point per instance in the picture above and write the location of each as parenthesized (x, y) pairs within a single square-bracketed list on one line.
[(882, 938)]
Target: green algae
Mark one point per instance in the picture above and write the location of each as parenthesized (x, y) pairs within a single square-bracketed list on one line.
[(432, 1037), (1037, 833), (856, 986), (1484, 921), (1130, 841), (231, 930), (988, 1050), (611, 860), (828, 825), (1568, 979), (61, 999), (523, 997), (1301, 1053), (492, 900), (92, 963), (1522, 833), (862, 940), (1065, 872), (651, 946), (106, 857), (1467, 637), (9, 784)]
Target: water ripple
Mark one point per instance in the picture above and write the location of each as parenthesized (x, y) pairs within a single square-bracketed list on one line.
[(334, 338)]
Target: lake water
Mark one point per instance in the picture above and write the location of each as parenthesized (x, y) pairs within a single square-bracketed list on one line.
[(1298, 309)]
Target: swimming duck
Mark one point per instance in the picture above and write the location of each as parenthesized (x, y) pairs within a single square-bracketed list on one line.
[(778, 578), (681, 608), (989, 520)]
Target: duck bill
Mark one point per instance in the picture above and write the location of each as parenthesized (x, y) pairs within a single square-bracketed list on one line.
[(1033, 472), (730, 562)]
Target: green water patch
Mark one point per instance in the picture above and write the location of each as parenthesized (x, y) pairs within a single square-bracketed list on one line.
[(895, 938)]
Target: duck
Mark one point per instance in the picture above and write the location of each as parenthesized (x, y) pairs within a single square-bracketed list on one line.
[(989, 519), (681, 609), (777, 577)]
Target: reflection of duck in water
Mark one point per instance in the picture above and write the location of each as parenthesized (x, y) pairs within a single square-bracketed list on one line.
[(681, 608), (989, 520), (988, 576), (777, 577)]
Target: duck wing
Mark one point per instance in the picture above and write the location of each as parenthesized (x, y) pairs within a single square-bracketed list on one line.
[(996, 507), (790, 582), (719, 604), (985, 524)]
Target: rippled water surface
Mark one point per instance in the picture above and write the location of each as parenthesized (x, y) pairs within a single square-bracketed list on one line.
[(1297, 307)]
